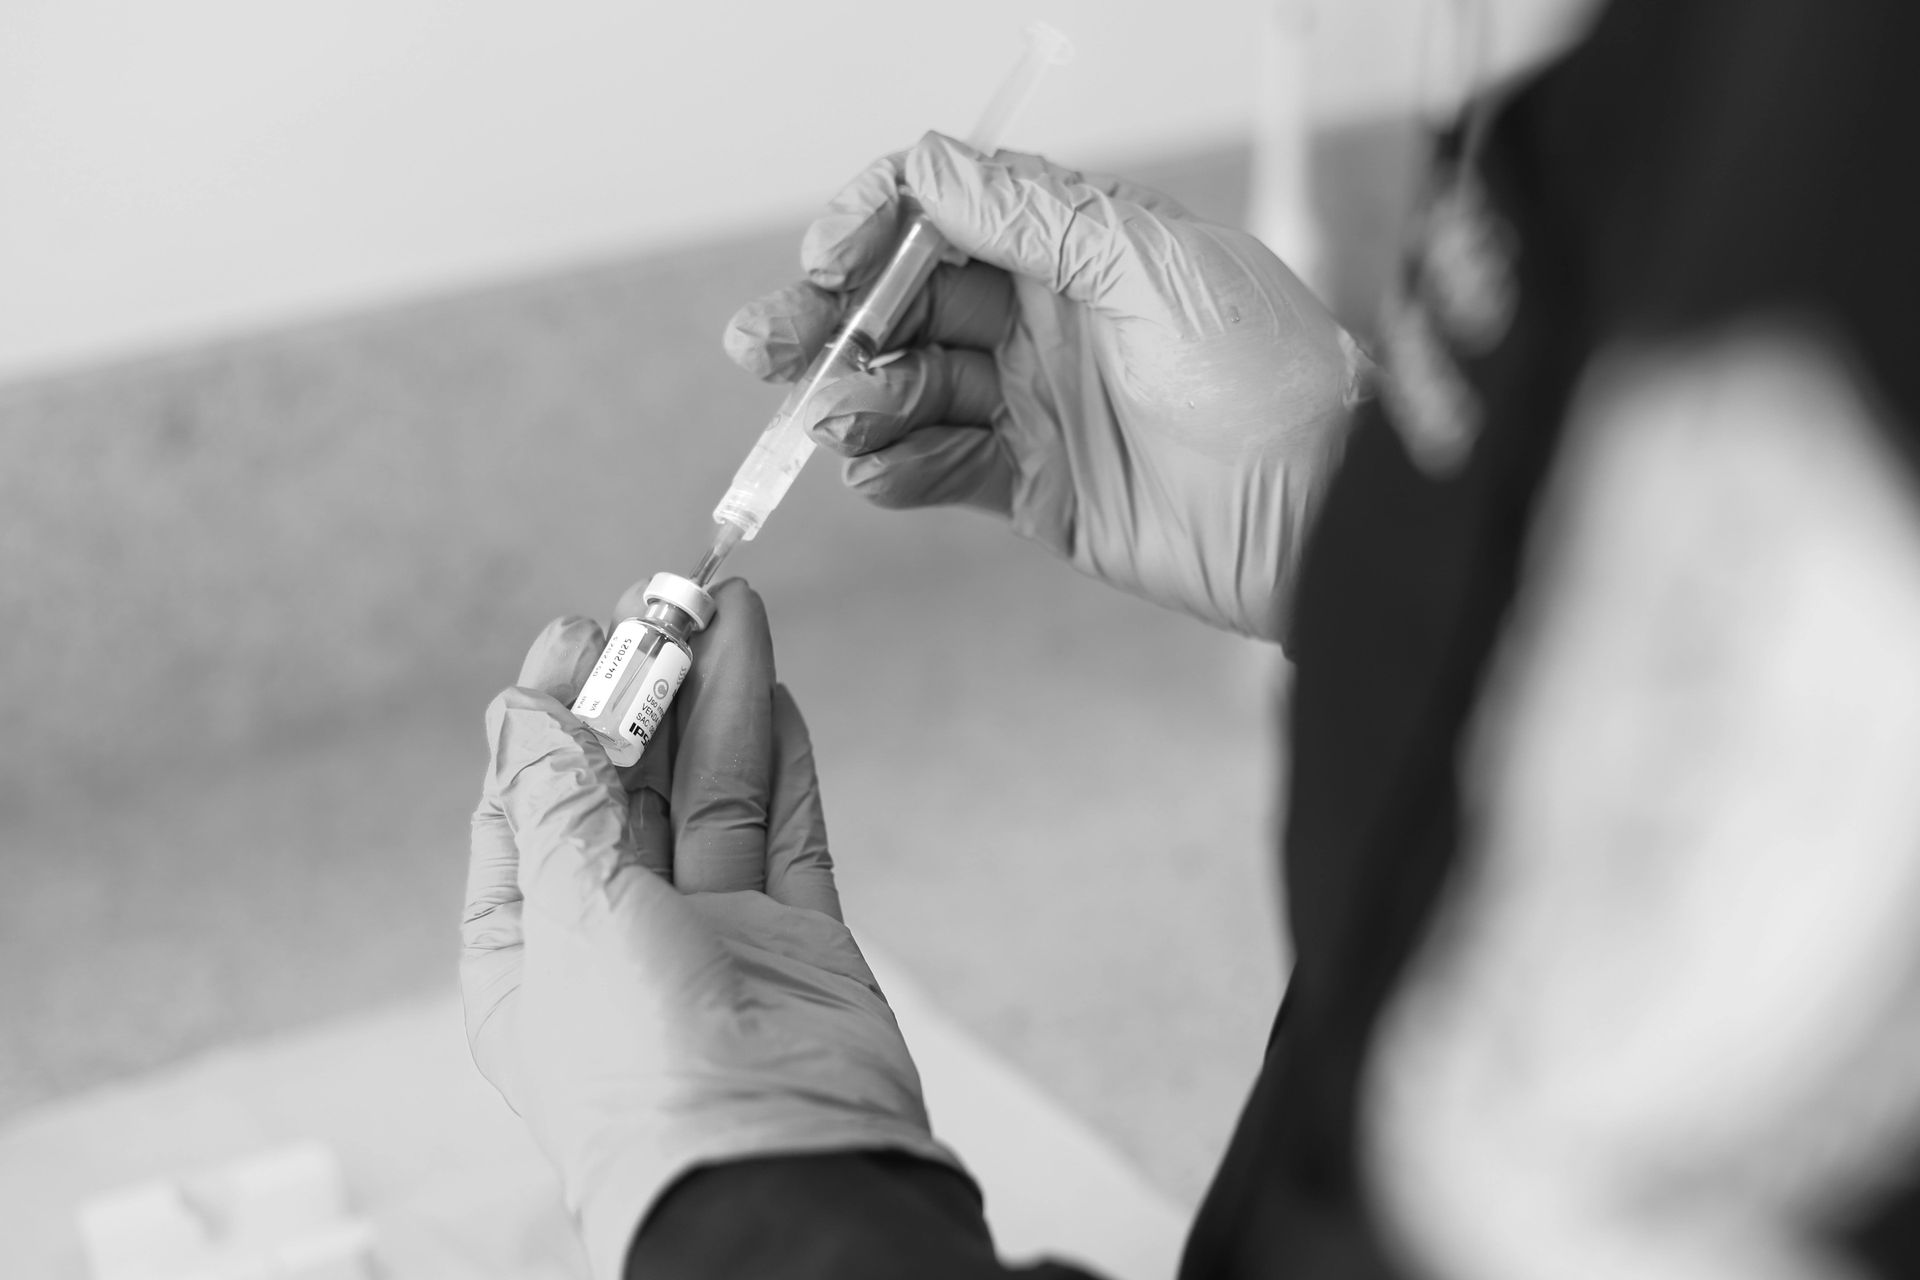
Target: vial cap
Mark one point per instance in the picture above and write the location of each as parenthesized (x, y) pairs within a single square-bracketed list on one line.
[(684, 594)]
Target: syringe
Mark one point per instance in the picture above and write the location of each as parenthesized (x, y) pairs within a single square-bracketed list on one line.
[(638, 672), (784, 447)]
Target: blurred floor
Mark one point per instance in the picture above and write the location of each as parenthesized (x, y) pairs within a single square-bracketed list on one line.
[(453, 1188), (274, 585)]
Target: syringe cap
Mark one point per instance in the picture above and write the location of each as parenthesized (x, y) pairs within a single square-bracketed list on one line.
[(684, 594)]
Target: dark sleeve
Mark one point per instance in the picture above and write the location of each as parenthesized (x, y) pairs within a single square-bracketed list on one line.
[(845, 1216), (1772, 177)]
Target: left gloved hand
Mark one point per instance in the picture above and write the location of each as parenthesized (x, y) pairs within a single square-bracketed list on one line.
[(655, 972)]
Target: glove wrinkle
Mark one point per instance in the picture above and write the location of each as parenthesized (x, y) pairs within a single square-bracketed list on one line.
[(760, 925), (1066, 277)]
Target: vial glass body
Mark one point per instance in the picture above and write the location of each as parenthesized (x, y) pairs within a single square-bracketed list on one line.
[(633, 683)]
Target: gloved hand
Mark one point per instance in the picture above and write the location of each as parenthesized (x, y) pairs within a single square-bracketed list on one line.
[(1155, 397), (654, 968)]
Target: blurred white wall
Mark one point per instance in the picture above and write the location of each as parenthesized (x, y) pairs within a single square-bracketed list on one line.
[(190, 169)]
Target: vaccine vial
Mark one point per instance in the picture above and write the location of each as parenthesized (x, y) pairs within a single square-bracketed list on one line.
[(641, 668)]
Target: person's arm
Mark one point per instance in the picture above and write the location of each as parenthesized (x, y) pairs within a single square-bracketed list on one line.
[(848, 1216), (1664, 1024)]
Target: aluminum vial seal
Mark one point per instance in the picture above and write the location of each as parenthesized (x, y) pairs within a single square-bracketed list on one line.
[(683, 594)]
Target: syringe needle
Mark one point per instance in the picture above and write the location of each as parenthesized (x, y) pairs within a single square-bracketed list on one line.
[(724, 541)]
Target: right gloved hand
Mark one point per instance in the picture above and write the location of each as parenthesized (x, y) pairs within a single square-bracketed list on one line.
[(1155, 397)]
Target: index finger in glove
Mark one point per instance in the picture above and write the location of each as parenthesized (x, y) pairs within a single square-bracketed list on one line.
[(931, 386), (723, 761), (578, 872), (775, 337), (561, 657), (846, 246)]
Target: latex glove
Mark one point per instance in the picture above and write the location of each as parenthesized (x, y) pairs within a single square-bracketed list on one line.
[(1155, 397), (654, 968)]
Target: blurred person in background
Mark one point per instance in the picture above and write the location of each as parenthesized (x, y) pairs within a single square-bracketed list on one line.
[(1603, 842)]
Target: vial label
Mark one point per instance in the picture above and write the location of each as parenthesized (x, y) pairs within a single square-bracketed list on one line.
[(622, 645), (653, 693)]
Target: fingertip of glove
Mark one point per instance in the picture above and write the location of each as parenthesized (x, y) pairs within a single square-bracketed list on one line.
[(744, 340), (750, 342), (561, 656), (737, 605), (929, 169), (838, 246), (846, 242), (935, 140), (854, 433), (830, 417), (509, 699), (735, 588), (831, 433), (526, 724), (867, 476), (568, 628)]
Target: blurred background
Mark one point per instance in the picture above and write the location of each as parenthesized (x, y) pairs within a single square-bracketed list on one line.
[(343, 345)]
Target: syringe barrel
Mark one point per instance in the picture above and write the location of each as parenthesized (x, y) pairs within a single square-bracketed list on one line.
[(869, 327), (784, 447), (879, 311)]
